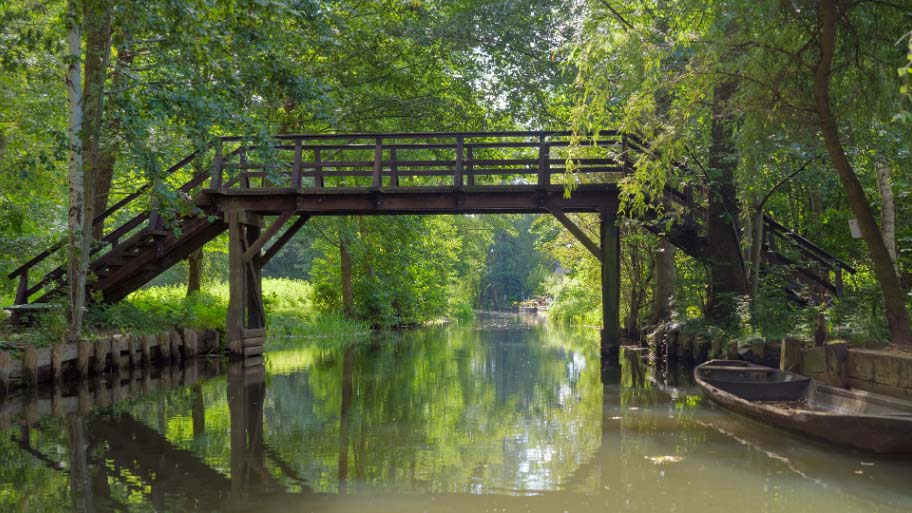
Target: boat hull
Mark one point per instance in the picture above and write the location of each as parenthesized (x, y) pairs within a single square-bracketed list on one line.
[(854, 419)]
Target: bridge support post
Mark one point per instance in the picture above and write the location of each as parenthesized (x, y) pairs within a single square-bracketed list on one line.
[(245, 322), (610, 238)]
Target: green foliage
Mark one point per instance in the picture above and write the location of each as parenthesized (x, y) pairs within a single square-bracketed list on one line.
[(288, 306)]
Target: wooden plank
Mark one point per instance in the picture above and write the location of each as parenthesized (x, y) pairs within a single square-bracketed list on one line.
[(252, 351), (83, 357), (254, 332), (253, 341)]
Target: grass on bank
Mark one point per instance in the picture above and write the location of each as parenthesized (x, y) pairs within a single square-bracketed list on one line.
[(289, 311)]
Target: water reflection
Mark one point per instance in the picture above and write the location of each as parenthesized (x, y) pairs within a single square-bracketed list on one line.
[(515, 415)]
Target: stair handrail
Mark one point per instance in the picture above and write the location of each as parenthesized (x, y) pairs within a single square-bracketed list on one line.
[(24, 290), (775, 228)]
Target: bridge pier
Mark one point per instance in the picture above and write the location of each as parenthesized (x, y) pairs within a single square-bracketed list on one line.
[(610, 245), (246, 318)]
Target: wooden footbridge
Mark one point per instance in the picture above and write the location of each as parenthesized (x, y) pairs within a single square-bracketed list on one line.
[(263, 192)]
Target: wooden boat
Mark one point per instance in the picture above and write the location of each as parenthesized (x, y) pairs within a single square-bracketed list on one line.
[(852, 418)]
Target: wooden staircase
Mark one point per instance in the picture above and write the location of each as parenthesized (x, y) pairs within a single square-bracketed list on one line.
[(129, 255)]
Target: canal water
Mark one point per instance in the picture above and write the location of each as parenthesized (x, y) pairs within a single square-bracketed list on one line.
[(505, 415)]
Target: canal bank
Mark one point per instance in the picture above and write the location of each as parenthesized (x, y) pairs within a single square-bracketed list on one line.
[(873, 366)]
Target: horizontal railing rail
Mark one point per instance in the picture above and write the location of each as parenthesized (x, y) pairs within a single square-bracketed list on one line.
[(467, 157)]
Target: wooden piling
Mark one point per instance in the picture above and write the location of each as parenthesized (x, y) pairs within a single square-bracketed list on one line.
[(100, 360), (131, 351), (212, 341), (146, 345), (176, 343), (190, 342), (164, 347), (117, 347), (30, 366), (790, 359), (83, 357), (56, 364)]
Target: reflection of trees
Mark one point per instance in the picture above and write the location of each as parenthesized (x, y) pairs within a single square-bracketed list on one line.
[(442, 410)]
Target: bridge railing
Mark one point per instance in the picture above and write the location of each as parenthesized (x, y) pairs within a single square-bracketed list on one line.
[(432, 159)]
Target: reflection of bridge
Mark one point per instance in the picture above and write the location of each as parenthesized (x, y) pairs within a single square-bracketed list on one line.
[(296, 177)]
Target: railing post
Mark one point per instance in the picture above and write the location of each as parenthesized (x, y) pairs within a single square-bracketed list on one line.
[(22, 290), (544, 162), (318, 169), (242, 168), (296, 167), (377, 181), (839, 286), (217, 170), (470, 165), (394, 168), (457, 174)]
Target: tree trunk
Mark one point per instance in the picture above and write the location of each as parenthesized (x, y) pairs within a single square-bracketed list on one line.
[(104, 170), (897, 315), (887, 211), (664, 262), (665, 277), (348, 304), (78, 249), (756, 250), (194, 271), (97, 20), (727, 275)]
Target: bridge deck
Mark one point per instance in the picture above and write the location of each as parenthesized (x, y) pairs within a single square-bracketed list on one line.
[(487, 199)]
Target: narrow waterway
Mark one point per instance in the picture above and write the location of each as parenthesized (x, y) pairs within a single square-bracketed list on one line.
[(504, 415)]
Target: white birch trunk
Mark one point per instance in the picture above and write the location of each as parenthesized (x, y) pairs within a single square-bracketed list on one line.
[(78, 241), (887, 211)]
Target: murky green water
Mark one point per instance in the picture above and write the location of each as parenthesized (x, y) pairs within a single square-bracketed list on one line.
[(503, 416)]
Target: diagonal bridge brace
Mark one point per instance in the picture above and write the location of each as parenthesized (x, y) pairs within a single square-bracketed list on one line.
[(577, 232)]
